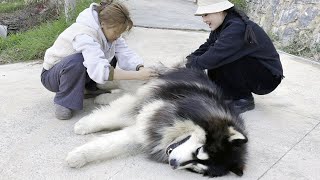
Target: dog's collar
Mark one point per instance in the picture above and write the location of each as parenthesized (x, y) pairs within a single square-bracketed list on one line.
[(174, 145)]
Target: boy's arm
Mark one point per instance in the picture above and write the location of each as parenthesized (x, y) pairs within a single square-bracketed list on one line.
[(142, 74), (127, 58), (98, 67), (204, 47)]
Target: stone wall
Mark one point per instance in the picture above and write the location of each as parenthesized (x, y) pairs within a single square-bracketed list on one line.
[(288, 21)]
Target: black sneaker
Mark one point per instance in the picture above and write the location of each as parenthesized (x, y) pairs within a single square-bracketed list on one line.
[(91, 90), (92, 94), (243, 105)]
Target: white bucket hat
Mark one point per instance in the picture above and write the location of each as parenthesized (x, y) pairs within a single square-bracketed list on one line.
[(212, 6)]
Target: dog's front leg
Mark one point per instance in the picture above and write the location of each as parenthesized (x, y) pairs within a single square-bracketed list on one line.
[(119, 114), (105, 147)]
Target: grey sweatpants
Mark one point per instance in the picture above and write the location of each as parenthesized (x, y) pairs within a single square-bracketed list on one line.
[(67, 79)]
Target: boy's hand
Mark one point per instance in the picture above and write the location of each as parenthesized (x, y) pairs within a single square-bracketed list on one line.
[(146, 73)]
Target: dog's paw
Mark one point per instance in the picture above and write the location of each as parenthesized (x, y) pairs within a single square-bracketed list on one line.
[(82, 127), (76, 159)]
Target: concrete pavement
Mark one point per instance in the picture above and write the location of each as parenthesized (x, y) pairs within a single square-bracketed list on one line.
[(167, 14), (283, 130)]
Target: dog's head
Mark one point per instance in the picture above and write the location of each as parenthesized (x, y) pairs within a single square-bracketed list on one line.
[(211, 154)]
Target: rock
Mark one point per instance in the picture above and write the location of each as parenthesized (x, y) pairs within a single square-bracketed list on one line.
[(308, 16), (289, 16)]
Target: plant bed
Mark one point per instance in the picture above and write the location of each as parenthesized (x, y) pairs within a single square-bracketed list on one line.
[(27, 17)]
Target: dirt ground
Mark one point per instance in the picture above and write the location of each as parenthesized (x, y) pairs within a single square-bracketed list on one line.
[(28, 17)]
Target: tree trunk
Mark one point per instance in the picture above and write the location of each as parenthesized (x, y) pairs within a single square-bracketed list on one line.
[(69, 9)]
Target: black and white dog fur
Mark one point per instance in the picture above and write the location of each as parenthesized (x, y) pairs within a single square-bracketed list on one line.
[(179, 118)]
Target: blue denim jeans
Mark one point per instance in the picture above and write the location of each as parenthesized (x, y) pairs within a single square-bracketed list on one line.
[(67, 79)]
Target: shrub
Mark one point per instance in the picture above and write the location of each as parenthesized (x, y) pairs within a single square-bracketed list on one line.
[(33, 43), (11, 6), (240, 4)]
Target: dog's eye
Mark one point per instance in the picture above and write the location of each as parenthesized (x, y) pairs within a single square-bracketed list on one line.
[(169, 151)]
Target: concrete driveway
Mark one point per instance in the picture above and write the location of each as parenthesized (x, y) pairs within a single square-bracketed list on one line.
[(283, 129)]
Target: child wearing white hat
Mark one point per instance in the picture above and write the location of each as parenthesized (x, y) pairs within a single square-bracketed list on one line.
[(239, 55)]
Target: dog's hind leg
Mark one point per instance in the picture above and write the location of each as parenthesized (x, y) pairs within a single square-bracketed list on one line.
[(105, 147), (121, 113)]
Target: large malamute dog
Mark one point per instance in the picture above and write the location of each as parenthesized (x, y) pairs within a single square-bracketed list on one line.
[(179, 118)]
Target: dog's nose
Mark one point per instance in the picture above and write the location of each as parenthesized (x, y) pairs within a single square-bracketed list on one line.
[(173, 163)]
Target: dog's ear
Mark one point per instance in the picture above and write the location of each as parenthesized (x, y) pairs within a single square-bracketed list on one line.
[(236, 137)]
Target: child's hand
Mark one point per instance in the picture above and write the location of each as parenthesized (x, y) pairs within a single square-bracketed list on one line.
[(147, 73), (189, 60)]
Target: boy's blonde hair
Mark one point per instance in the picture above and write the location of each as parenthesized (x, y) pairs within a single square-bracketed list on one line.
[(115, 15)]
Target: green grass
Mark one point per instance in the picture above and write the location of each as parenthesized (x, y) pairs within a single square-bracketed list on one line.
[(11, 6), (303, 50), (33, 43), (297, 47)]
